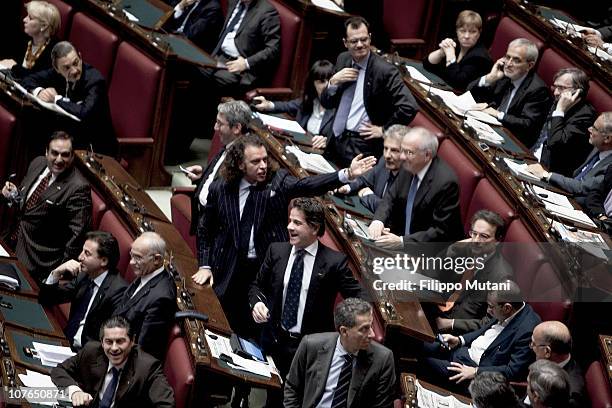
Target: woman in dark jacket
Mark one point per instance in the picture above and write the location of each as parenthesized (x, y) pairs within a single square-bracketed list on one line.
[(460, 63)]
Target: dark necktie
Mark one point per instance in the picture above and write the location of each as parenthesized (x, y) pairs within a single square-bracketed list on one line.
[(38, 192), (230, 26), (79, 311), (544, 134), (389, 183), (346, 101), (588, 167), (132, 289), (344, 381), (414, 186), (292, 298), (246, 222), (109, 393), (505, 103)]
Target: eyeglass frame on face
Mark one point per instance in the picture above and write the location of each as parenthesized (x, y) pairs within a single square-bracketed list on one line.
[(594, 128), (475, 234), (138, 259), (532, 344), (410, 153), (514, 60), (354, 41), (561, 88)]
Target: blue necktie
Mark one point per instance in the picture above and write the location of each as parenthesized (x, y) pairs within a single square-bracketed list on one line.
[(346, 101), (414, 186), (292, 298), (79, 313), (544, 133), (230, 26), (344, 381), (588, 167), (109, 393)]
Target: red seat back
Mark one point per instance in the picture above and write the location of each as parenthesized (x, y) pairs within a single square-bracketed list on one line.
[(547, 295), (179, 372), (486, 197), (550, 63), (7, 132), (65, 11), (597, 386), (402, 22), (290, 27), (424, 121), (508, 30), (599, 97), (98, 209), (133, 93), (95, 42), (180, 208), (111, 223)]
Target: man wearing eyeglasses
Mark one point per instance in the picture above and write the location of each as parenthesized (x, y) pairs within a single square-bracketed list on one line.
[(561, 146), (80, 90), (513, 93), (589, 175), (368, 94), (149, 303)]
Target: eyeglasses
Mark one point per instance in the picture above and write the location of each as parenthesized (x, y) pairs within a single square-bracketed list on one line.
[(139, 258), (410, 153), (355, 41), (560, 88), (532, 345), (476, 234), (596, 129), (514, 60)]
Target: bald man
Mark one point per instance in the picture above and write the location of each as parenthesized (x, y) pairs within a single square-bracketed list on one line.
[(552, 341)]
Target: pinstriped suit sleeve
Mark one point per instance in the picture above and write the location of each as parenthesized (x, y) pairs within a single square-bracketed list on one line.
[(208, 226), (78, 212)]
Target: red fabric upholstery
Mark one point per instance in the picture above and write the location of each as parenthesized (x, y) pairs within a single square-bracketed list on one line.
[(290, 26), (132, 102), (466, 171), (95, 42), (550, 63), (180, 207), (599, 97), (546, 287), (486, 197), (111, 223), (65, 16), (98, 208), (508, 30), (597, 386), (7, 129), (423, 121), (524, 254), (179, 371), (406, 26)]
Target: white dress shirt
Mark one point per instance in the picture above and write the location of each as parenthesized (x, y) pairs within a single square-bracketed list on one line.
[(145, 279), (332, 376), (229, 46), (309, 258)]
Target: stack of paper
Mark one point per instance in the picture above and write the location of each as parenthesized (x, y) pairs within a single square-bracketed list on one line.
[(33, 379), (484, 131), (591, 242), (551, 197), (570, 214), (51, 355), (220, 344), (464, 105), (416, 74), (431, 399), (281, 124), (520, 170), (328, 5), (567, 27), (311, 161), (600, 53)]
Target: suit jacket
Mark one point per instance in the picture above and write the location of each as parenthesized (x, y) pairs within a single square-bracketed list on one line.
[(606, 33), (474, 64), (567, 144), (595, 199), (509, 353), (204, 24), (580, 188), (528, 109), (218, 234), (142, 382), (372, 384), (330, 275), (151, 312), (295, 109), (107, 299), (376, 180), (88, 101), (578, 396), (42, 63), (196, 206), (53, 231), (435, 213)]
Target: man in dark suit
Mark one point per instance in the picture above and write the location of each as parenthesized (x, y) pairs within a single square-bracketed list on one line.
[(590, 174), (342, 369), (94, 291), (599, 200), (518, 98), (547, 385), (53, 209), (427, 190), (552, 341), (369, 95), (199, 20), (80, 90), (375, 185), (562, 144), (246, 210), (295, 290), (149, 303), (117, 372), (502, 345), (466, 308)]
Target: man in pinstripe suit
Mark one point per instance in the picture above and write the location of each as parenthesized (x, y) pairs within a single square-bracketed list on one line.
[(53, 209), (247, 210)]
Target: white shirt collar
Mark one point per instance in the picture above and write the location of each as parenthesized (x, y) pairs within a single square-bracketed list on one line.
[(147, 278), (244, 185), (311, 249), (421, 174), (100, 278)]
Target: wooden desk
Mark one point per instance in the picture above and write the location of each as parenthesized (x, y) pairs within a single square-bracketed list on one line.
[(409, 390), (605, 345)]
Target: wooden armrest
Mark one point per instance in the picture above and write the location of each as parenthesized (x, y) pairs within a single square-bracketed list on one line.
[(188, 190), (405, 42), (271, 93), (135, 141)]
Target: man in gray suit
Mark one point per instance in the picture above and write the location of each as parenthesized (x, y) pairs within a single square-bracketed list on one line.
[(343, 369), (591, 173)]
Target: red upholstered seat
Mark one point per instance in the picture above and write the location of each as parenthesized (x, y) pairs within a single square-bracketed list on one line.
[(180, 207), (599, 97), (407, 26), (467, 172), (65, 16), (597, 386), (98, 208), (551, 62), (508, 30), (486, 197), (547, 296), (7, 129), (179, 371), (95, 42), (424, 121), (111, 223)]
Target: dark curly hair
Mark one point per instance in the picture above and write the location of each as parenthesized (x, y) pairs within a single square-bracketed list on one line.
[(231, 171), (313, 210)]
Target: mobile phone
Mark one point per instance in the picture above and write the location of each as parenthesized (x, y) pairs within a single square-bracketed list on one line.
[(442, 342), (184, 170), (483, 146)]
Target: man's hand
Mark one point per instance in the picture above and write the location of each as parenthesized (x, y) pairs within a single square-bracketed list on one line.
[(48, 94), (8, 189), (345, 189), (452, 341), (371, 131), (592, 37), (491, 111), (344, 75), (389, 240), (444, 324), (366, 191), (319, 142), (567, 100), (262, 104), (536, 169), (463, 372), (202, 276), (80, 398), (260, 313), (360, 165), (497, 71), (376, 228), (72, 266), (7, 63), (197, 171), (236, 66)]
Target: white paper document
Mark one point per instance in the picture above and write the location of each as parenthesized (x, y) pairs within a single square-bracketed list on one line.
[(280, 123), (464, 105), (416, 74), (431, 399), (51, 355), (3, 252), (131, 17), (520, 170), (569, 28), (33, 379), (311, 161), (570, 214), (484, 131), (552, 197), (218, 344), (600, 53), (328, 5)]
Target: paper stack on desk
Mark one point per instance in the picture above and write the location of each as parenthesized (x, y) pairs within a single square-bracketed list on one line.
[(551, 197), (36, 380), (431, 399), (570, 214), (281, 124), (484, 131), (51, 355), (520, 170), (311, 161), (220, 344), (328, 5)]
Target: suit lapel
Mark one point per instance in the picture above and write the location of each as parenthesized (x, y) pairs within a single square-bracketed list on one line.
[(364, 361), (508, 331), (29, 180), (125, 381), (588, 159), (318, 272), (321, 365), (279, 276), (98, 370), (250, 12), (425, 184), (261, 193)]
